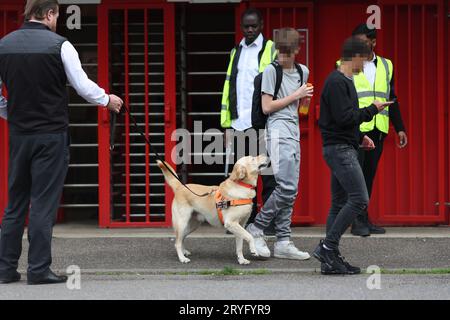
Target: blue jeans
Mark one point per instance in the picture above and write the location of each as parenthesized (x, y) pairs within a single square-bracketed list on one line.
[(349, 196)]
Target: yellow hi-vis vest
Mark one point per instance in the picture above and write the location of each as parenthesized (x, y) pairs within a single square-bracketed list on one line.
[(380, 91), (267, 57)]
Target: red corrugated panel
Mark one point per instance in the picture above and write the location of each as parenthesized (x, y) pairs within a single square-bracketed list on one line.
[(412, 184)]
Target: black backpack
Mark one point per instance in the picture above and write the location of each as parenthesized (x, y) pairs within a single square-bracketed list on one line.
[(259, 119)]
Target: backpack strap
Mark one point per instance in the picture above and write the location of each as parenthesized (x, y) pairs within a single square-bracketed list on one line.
[(279, 78), (300, 72)]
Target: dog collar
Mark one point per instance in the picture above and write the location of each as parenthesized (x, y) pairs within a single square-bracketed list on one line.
[(243, 184)]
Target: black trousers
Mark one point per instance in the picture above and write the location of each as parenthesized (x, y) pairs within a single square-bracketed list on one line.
[(244, 144), (37, 169), (369, 159), (349, 196)]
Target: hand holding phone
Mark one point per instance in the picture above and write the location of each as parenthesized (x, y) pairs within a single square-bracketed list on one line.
[(381, 105)]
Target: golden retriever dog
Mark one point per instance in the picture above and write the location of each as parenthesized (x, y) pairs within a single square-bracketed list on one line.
[(190, 210)]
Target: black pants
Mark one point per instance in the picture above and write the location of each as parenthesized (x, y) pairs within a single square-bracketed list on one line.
[(369, 159), (349, 197), (244, 144), (37, 170)]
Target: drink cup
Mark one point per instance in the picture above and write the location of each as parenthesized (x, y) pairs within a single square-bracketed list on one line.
[(304, 104)]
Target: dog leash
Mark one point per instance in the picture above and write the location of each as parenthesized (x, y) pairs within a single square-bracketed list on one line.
[(111, 146)]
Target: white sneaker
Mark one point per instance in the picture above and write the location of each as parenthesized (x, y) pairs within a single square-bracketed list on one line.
[(261, 246), (287, 250)]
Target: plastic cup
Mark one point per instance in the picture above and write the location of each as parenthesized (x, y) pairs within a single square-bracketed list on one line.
[(304, 104)]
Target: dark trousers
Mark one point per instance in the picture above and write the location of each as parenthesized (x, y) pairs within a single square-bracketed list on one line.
[(249, 147), (349, 196), (369, 159), (37, 169)]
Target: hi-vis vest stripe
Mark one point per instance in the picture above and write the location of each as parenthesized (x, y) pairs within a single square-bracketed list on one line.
[(380, 91), (267, 57)]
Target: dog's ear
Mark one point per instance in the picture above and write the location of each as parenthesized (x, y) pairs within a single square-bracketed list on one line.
[(239, 172)]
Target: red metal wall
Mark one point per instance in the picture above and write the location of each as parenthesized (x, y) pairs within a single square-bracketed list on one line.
[(412, 185)]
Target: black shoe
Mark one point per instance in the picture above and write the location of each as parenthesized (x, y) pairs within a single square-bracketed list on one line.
[(10, 279), (351, 269), (326, 270), (329, 258), (376, 229), (360, 227), (51, 278)]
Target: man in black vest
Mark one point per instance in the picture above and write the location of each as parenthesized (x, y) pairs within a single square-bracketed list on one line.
[(35, 65)]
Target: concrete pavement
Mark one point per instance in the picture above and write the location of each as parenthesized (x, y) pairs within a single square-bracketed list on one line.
[(142, 264), (152, 250), (91, 230), (265, 287)]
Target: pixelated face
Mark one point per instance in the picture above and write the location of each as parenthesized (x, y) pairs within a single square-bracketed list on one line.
[(358, 63), (287, 44), (251, 27)]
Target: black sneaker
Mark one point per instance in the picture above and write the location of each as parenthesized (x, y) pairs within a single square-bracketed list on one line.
[(375, 229), (360, 227), (333, 264), (351, 269), (326, 270)]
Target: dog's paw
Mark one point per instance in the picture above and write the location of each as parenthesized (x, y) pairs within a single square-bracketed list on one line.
[(243, 261), (186, 252), (185, 260)]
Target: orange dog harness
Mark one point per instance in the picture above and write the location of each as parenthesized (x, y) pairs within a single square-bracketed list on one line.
[(224, 203)]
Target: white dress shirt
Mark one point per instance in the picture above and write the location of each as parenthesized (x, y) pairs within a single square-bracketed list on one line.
[(248, 69), (76, 76), (370, 69)]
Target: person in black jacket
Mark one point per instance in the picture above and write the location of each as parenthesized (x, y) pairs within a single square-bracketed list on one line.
[(340, 118)]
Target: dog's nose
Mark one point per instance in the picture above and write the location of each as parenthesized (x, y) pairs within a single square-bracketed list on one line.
[(263, 158), (263, 161)]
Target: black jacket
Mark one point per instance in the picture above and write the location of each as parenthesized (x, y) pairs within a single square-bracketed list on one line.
[(340, 115)]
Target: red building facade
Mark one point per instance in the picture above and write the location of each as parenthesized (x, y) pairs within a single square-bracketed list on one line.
[(168, 60)]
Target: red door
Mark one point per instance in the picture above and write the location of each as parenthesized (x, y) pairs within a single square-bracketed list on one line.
[(136, 53), (10, 19)]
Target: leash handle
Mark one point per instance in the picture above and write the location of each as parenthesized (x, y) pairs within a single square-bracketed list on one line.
[(157, 154)]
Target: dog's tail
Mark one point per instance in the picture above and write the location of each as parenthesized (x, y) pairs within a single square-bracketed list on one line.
[(171, 180)]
